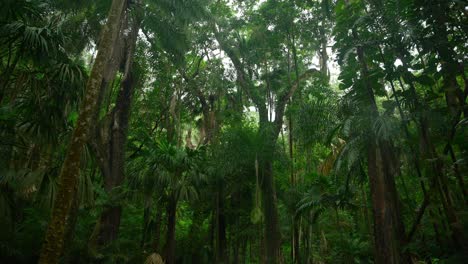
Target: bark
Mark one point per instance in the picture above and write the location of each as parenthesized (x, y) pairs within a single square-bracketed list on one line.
[(157, 229), (295, 241), (170, 235), (450, 68), (70, 231), (146, 221), (389, 234), (212, 230), (209, 124), (236, 250), (441, 184), (195, 236), (68, 179), (295, 228), (114, 145), (109, 225), (386, 247), (271, 232), (457, 172), (324, 54), (437, 171), (221, 241)]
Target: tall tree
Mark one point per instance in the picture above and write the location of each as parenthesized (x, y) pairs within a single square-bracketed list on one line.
[(389, 234), (270, 97), (113, 135), (54, 239)]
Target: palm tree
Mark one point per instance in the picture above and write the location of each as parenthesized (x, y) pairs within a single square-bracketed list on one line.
[(174, 172)]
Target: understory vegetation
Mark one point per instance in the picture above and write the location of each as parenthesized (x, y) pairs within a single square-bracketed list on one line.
[(233, 131)]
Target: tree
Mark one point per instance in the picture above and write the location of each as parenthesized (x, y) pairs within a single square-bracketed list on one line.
[(272, 96), (233, 131), (53, 244), (112, 136)]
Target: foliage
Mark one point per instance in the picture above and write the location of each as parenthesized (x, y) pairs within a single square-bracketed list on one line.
[(224, 91)]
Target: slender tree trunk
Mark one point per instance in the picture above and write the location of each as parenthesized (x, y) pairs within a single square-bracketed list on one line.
[(436, 228), (457, 172), (324, 54), (146, 221), (295, 240), (157, 229), (212, 234), (295, 228), (221, 241), (68, 179), (441, 185), (244, 251), (236, 250), (195, 237), (171, 225)]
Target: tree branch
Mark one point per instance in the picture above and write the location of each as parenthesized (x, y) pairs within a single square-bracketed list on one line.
[(242, 78), (306, 75)]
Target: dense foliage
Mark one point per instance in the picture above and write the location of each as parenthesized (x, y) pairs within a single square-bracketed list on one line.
[(202, 131)]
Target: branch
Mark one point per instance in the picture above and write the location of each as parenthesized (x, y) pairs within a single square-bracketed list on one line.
[(190, 80), (197, 71), (419, 216), (282, 100), (242, 78), (153, 129), (150, 40), (306, 75)]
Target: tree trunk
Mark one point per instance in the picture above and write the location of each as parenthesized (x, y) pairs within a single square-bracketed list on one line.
[(157, 229), (272, 234), (171, 225), (389, 234), (194, 236), (118, 128), (295, 240), (384, 230), (146, 221), (70, 230), (441, 184), (109, 225), (221, 241), (68, 179)]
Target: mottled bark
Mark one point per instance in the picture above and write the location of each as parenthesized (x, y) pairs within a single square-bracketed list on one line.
[(68, 179)]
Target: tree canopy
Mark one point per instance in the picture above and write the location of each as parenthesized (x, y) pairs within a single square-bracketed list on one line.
[(203, 131)]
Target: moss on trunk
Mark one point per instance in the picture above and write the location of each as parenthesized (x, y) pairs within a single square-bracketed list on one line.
[(68, 180)]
